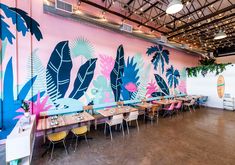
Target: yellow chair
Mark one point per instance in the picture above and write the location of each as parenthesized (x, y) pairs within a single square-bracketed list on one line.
[(55, 138), (80, 131)]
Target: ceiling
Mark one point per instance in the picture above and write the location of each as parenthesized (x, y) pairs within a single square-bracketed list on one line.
[(195, 25)]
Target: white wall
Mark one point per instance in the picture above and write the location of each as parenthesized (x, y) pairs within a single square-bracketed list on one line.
[(208, 86)]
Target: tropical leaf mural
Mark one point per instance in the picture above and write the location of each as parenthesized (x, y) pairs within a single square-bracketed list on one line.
[(161, 56), (10, 105), (83, 80), (36, 69), (117, 73), (162, 85), (58, 71), (69, 104), (23, 23), (3, 46), (102, 91), (129, 79), (82, 47), (173, 77), (106, 65), (31, 24), (151, 88), (143, 82)]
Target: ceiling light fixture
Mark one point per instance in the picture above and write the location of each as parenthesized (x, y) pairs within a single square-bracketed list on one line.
[(220, 35), (174, 7)]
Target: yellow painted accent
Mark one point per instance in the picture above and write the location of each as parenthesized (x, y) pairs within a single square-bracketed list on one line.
[(80, 130), (57, 136)]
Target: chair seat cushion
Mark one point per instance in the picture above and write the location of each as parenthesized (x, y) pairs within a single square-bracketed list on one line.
[(58, 136), (79, 130)]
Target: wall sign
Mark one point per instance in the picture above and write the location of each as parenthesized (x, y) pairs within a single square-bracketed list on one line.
[(220, 86)]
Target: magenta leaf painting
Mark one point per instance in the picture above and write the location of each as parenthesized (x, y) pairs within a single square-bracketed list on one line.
[(131, 87), (107, 64), (39, 106), (151, 88)]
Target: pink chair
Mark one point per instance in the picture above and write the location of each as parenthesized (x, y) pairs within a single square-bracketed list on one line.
[(169, 110), (178, 107)]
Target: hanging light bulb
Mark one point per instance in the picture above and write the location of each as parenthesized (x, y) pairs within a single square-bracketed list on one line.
[(174, 7)]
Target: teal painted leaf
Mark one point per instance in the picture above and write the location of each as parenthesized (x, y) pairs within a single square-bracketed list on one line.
[(117, 73), (162, 84), (31, 24), (36, 69), (82, 47), (2, 51), (157, 94), (5, 31), (15, 18), (58, 71), (83, 80)]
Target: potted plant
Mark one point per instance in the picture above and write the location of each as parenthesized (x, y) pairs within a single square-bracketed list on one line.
[(25, 107)]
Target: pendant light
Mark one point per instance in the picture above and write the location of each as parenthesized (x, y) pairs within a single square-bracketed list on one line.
[(174, 7), (220, 35)]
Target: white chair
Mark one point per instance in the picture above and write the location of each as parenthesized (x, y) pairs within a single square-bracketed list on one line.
[(116, 119), (132, 116)]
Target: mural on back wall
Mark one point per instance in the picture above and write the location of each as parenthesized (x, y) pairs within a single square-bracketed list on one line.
[(100, 77)]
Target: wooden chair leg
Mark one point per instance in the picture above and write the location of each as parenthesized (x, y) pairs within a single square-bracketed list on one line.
[(95, 124), (137, 124), (104, 128), (52, 150), (123, 130), (127, 127), (110, 131), (86, 140), (65, 147), (76, 144)]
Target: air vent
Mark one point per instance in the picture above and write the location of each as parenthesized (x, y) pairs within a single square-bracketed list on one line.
[(64, 6), (163, 39), (126, 28)]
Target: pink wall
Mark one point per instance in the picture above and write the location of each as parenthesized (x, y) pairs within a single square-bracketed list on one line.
[(56, 29), (104, 42)]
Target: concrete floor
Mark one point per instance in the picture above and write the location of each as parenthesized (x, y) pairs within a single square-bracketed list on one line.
[(205, 137)]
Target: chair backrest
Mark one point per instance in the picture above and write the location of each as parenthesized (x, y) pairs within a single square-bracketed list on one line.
[(143, 100), (117, 119), (192, 101), (172, 106), (179, 104), (205, 98), (120, 103), (133, 115), (88, 108)]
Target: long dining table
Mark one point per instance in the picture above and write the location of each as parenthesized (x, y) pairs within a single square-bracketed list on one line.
[(53, 122), (116, 111)]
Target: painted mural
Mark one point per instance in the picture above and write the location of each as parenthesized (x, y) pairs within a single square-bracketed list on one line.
[(75, 74)]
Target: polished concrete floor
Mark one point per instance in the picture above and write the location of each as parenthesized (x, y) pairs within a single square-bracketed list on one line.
[(205, 137)]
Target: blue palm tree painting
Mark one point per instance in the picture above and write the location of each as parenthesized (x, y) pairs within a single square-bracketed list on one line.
[(173, 77), (23, 23), (161, 56), (130, 79)]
